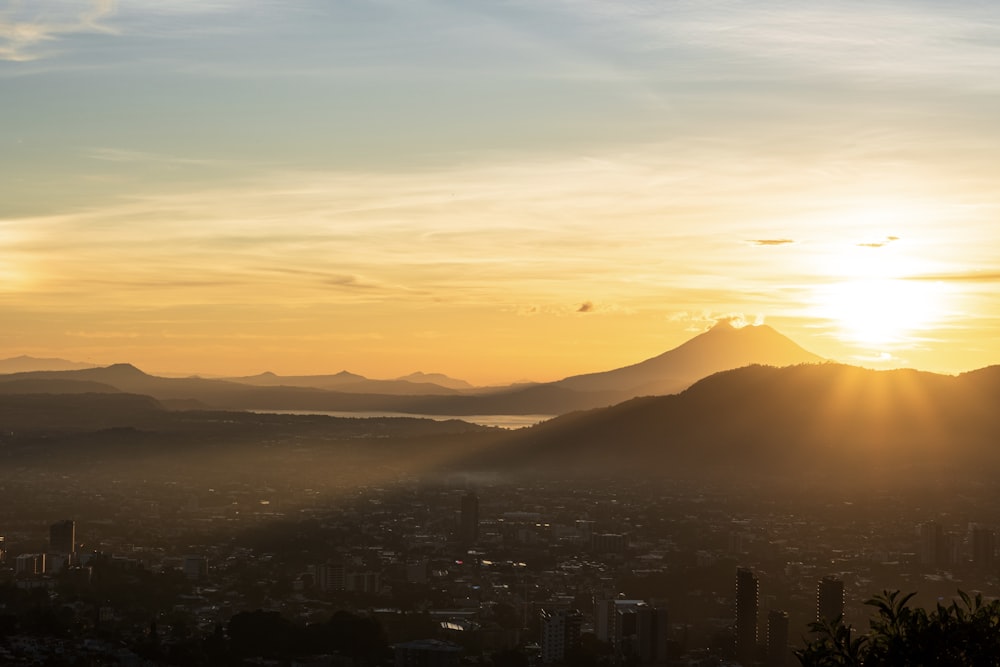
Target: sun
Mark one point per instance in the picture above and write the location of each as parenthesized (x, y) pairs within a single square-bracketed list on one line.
[(879, 311), (874, 298)]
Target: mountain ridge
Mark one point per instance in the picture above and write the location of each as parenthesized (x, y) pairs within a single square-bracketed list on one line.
[(25, 363), (719, 348), (722, 347), (823, 418)]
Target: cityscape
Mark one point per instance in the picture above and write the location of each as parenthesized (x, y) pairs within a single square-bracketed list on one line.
[(423, 333), (454, 570)]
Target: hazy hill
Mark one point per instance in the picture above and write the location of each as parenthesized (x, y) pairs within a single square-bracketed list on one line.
[(129, 379), (436, 378), (31, 424), (722, 347), (25, 363), (826, 418), (269, 379), (76, 412), (349, 383), (54, 386)]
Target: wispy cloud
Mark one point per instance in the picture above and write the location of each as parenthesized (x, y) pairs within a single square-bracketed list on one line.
[(120, 155), (26, 26), (875, 43), (962, 277), (879, 244), (771, 242), (543, 229)]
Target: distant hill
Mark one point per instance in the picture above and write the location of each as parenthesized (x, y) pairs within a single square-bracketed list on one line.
[(54, 386), (129, 379), (828, 419), (25, 363), (349, 383), (722, 347), (436, 378), (37, 419), (76, 412), (330, 381)]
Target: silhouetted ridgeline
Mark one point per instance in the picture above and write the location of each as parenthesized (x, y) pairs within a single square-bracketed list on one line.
[(28, 415), (411, 397), (825, 417), (723, 347), (55, 386), (54, 413)]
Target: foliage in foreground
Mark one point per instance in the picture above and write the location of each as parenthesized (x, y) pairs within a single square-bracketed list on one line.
[(957, 635)]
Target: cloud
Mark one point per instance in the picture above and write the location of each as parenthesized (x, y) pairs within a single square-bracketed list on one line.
[(585, 307), (855, 41), (102, 334), (879, 244), (769, 242), (964, 277), (128, 156), (735, 320), (700, 322), (22, 35)]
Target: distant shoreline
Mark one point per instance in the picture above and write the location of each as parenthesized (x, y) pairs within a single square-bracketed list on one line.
[(500, 421)]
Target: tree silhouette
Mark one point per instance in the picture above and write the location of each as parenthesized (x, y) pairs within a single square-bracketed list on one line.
[(957, 635)]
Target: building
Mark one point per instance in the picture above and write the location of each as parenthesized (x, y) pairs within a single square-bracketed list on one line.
[(608, 543), (937, 548), (829, 598), (363, 582), (560, 633), (29, 564), (651, 635), (331, 577), (747, 605), (635, 630), (62, 537), (195, 568), (468, 526), (983, 548), (777, 638)]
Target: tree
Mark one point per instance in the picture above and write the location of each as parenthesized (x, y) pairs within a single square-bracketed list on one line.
[(966, 632)]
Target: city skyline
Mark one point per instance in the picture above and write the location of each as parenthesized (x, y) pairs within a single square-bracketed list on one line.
[(497, 193)]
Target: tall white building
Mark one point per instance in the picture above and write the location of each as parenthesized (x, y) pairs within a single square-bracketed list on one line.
[(560, 632)]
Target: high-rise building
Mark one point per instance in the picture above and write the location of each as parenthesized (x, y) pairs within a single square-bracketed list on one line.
[(468, 528), (29, 564), (331, 577), (747, 605), (363, 582), (560, 633), (983, 548), (62, 537), (635, 630), (651, 635), (937, 548), (777, 638), (930, 539), (829, 598)]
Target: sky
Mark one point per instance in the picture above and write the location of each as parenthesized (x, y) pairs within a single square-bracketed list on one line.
[(499, 191)]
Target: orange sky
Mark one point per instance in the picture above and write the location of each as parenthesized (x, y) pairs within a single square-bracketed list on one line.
[(496, 193)]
